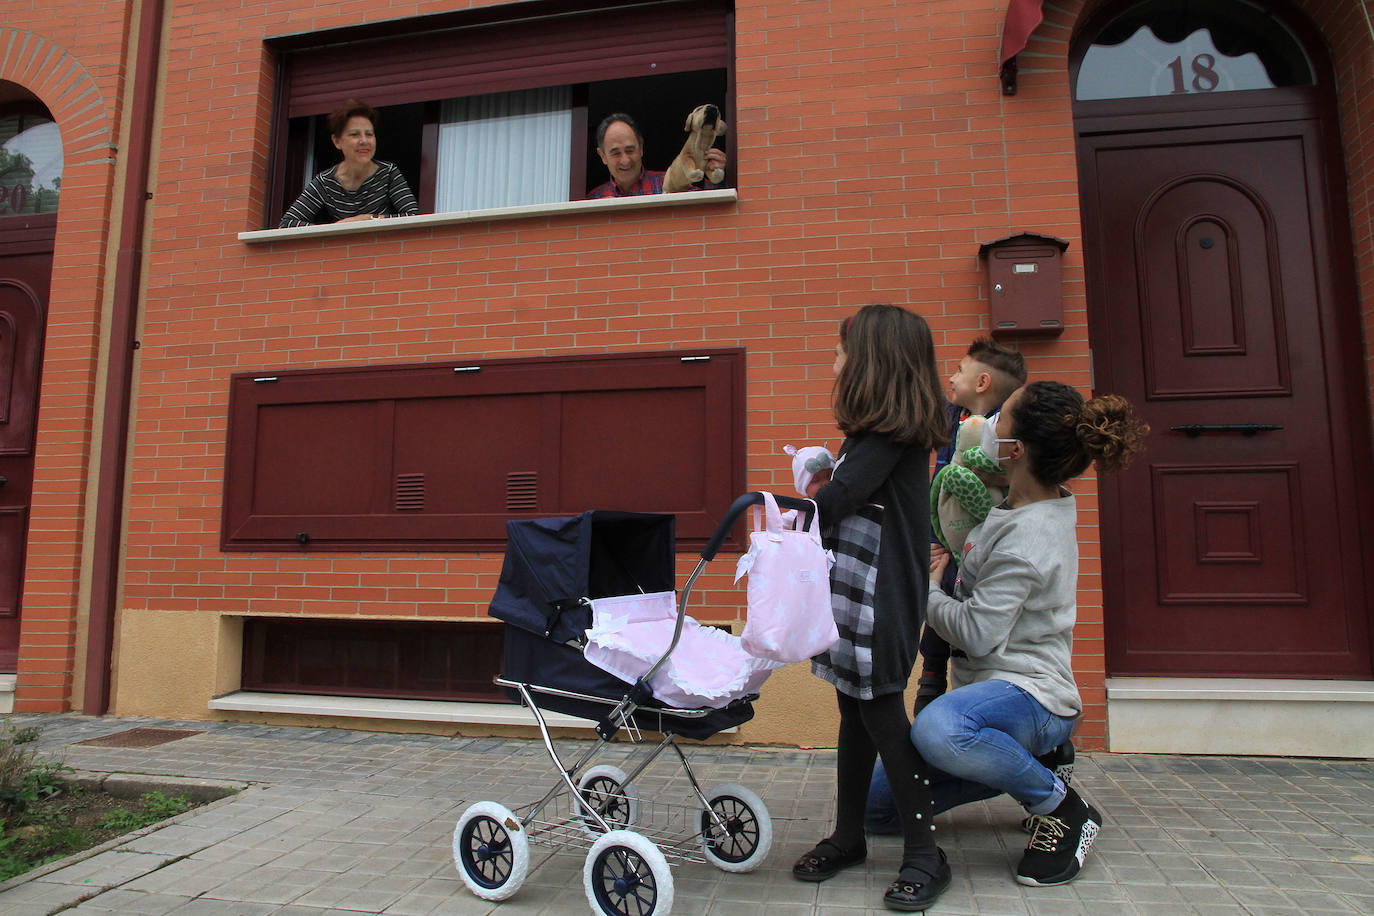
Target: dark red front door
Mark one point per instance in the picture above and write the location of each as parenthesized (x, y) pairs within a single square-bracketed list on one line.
[(25, 272), (1234, 546)]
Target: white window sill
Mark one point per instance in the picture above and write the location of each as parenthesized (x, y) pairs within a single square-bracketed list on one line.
[(405, 710), (529, 211)]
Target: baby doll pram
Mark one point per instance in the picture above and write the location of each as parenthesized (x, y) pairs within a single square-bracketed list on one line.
[(554, 573)]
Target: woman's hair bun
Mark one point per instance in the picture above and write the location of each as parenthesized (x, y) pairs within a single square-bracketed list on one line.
[(1110, 432)]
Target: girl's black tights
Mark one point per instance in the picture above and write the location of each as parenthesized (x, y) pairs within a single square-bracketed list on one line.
[(879, 727)]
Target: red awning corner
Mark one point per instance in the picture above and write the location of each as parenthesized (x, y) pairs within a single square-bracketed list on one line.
[(1023, 17)]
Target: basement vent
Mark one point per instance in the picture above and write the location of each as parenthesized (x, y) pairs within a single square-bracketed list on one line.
[(410, 492), (522, 491)]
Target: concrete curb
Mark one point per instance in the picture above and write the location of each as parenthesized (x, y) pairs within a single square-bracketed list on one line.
[(135, 785)]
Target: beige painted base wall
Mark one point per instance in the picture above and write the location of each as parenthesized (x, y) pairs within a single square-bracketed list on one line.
[(171, 664)]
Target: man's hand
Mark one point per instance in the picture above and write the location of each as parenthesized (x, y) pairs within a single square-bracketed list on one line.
[(715, 159)]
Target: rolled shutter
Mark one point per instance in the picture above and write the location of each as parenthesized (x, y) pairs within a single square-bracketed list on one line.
[(474, 60)]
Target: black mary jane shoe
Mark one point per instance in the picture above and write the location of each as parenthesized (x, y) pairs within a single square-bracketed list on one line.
[(918, 896), (826, 861)]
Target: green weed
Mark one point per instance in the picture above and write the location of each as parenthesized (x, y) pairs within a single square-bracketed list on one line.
[(156, 807)]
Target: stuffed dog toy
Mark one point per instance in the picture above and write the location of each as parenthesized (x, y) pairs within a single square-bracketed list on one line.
[(703, 125)]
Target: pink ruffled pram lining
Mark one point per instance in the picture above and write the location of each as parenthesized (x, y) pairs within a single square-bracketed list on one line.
[(708, 667)]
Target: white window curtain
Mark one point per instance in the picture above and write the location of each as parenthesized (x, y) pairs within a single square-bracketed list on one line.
[(504, 150)]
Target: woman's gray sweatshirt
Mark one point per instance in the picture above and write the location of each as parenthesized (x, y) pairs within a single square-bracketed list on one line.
[(1015, 603)]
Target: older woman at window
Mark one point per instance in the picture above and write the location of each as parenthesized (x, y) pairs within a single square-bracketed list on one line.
[(358, 188)]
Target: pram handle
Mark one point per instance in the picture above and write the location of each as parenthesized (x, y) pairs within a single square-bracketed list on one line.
[(737, 509)]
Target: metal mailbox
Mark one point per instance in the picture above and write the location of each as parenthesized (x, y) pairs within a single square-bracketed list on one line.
[(1024, 286)]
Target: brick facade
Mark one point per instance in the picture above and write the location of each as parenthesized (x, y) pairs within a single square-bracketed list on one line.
[(875, 152)]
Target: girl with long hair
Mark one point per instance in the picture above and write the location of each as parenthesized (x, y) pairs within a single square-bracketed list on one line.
[(875, 513)]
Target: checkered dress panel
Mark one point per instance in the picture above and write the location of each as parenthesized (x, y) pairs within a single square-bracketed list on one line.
[(853, 583)]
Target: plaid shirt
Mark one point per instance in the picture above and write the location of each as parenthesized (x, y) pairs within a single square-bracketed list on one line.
[(648, 183)]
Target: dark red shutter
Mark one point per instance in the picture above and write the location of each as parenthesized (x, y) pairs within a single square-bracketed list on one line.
[(463, 61), (423, 457)]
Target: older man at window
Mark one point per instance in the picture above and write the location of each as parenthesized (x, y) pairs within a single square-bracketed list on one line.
[(621, 147)]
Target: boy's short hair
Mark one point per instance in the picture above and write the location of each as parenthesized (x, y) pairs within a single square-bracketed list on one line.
[(1009, 366)]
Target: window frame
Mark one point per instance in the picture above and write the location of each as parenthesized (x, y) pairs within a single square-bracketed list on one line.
[(286, 160)]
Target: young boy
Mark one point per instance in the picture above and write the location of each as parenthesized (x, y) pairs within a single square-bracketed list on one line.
[(987, 375)]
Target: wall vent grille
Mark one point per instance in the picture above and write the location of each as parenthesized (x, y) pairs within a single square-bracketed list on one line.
[(522, 491), (410, 492)]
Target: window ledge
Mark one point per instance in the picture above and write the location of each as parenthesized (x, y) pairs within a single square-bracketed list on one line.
[(652, 201)]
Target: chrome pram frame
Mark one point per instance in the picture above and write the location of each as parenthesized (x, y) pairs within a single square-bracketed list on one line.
[(569, 804), (629, 841)]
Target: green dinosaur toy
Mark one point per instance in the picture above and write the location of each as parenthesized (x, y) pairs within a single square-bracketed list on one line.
[(965, 489)]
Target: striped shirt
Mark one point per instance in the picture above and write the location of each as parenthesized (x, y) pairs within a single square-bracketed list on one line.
[(385, 191)]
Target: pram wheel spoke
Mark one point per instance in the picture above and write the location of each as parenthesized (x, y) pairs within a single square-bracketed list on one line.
[(747, 834), (626, 875), (491, 851), (605, 788)]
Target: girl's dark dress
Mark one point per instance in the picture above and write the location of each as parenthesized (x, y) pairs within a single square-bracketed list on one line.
[(875, 515)]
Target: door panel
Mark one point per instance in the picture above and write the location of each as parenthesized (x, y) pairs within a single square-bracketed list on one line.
[(1228, 552), (24, 282)]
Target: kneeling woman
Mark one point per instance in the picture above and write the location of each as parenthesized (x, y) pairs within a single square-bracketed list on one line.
[(1012, 615)]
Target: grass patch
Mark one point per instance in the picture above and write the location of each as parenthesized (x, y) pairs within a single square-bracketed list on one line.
[(43, 818)]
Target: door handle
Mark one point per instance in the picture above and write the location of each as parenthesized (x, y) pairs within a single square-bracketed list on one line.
[(3, 481), (1193, 430)]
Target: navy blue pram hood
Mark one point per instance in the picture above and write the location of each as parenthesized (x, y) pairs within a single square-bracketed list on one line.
[(553, 563)]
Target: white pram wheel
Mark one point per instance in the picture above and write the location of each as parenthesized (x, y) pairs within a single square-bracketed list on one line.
[(491, 851), (626, 875), (605, 788), (748, 834)]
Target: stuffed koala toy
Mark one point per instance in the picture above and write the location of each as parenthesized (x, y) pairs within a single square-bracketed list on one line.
[(965, 489), (704, 124)]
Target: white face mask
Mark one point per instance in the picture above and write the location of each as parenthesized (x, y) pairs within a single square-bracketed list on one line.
[(990, 443)]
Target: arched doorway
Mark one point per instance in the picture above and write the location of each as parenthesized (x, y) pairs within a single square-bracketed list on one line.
[(30, 187), (1222, 301)]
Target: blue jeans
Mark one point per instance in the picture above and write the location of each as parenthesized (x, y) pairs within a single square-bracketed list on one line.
[(980, 741)]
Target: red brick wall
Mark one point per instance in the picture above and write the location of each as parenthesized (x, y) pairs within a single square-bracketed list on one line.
[(875, 153), (872, 158), (70, 55), (1349, 27)]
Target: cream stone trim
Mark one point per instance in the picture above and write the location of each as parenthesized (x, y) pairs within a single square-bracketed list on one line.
[(1253, 716), (404, 710), (528, 211)]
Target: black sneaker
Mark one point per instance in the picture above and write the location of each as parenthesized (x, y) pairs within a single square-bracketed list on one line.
[(1059, 762), (1060, 843)]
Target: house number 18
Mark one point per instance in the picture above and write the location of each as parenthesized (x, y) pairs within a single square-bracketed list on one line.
[(1205, 76)]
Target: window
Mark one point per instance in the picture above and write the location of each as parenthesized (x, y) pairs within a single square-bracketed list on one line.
[(438, 457), (1182, 48), (499, 106), (30, 161), (373, 658)]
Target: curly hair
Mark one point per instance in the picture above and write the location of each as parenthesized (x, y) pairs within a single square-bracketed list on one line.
[(1063, 433), (889, 383), (353, 108)]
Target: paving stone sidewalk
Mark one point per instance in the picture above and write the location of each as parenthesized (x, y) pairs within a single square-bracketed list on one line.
[(343, 822)]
